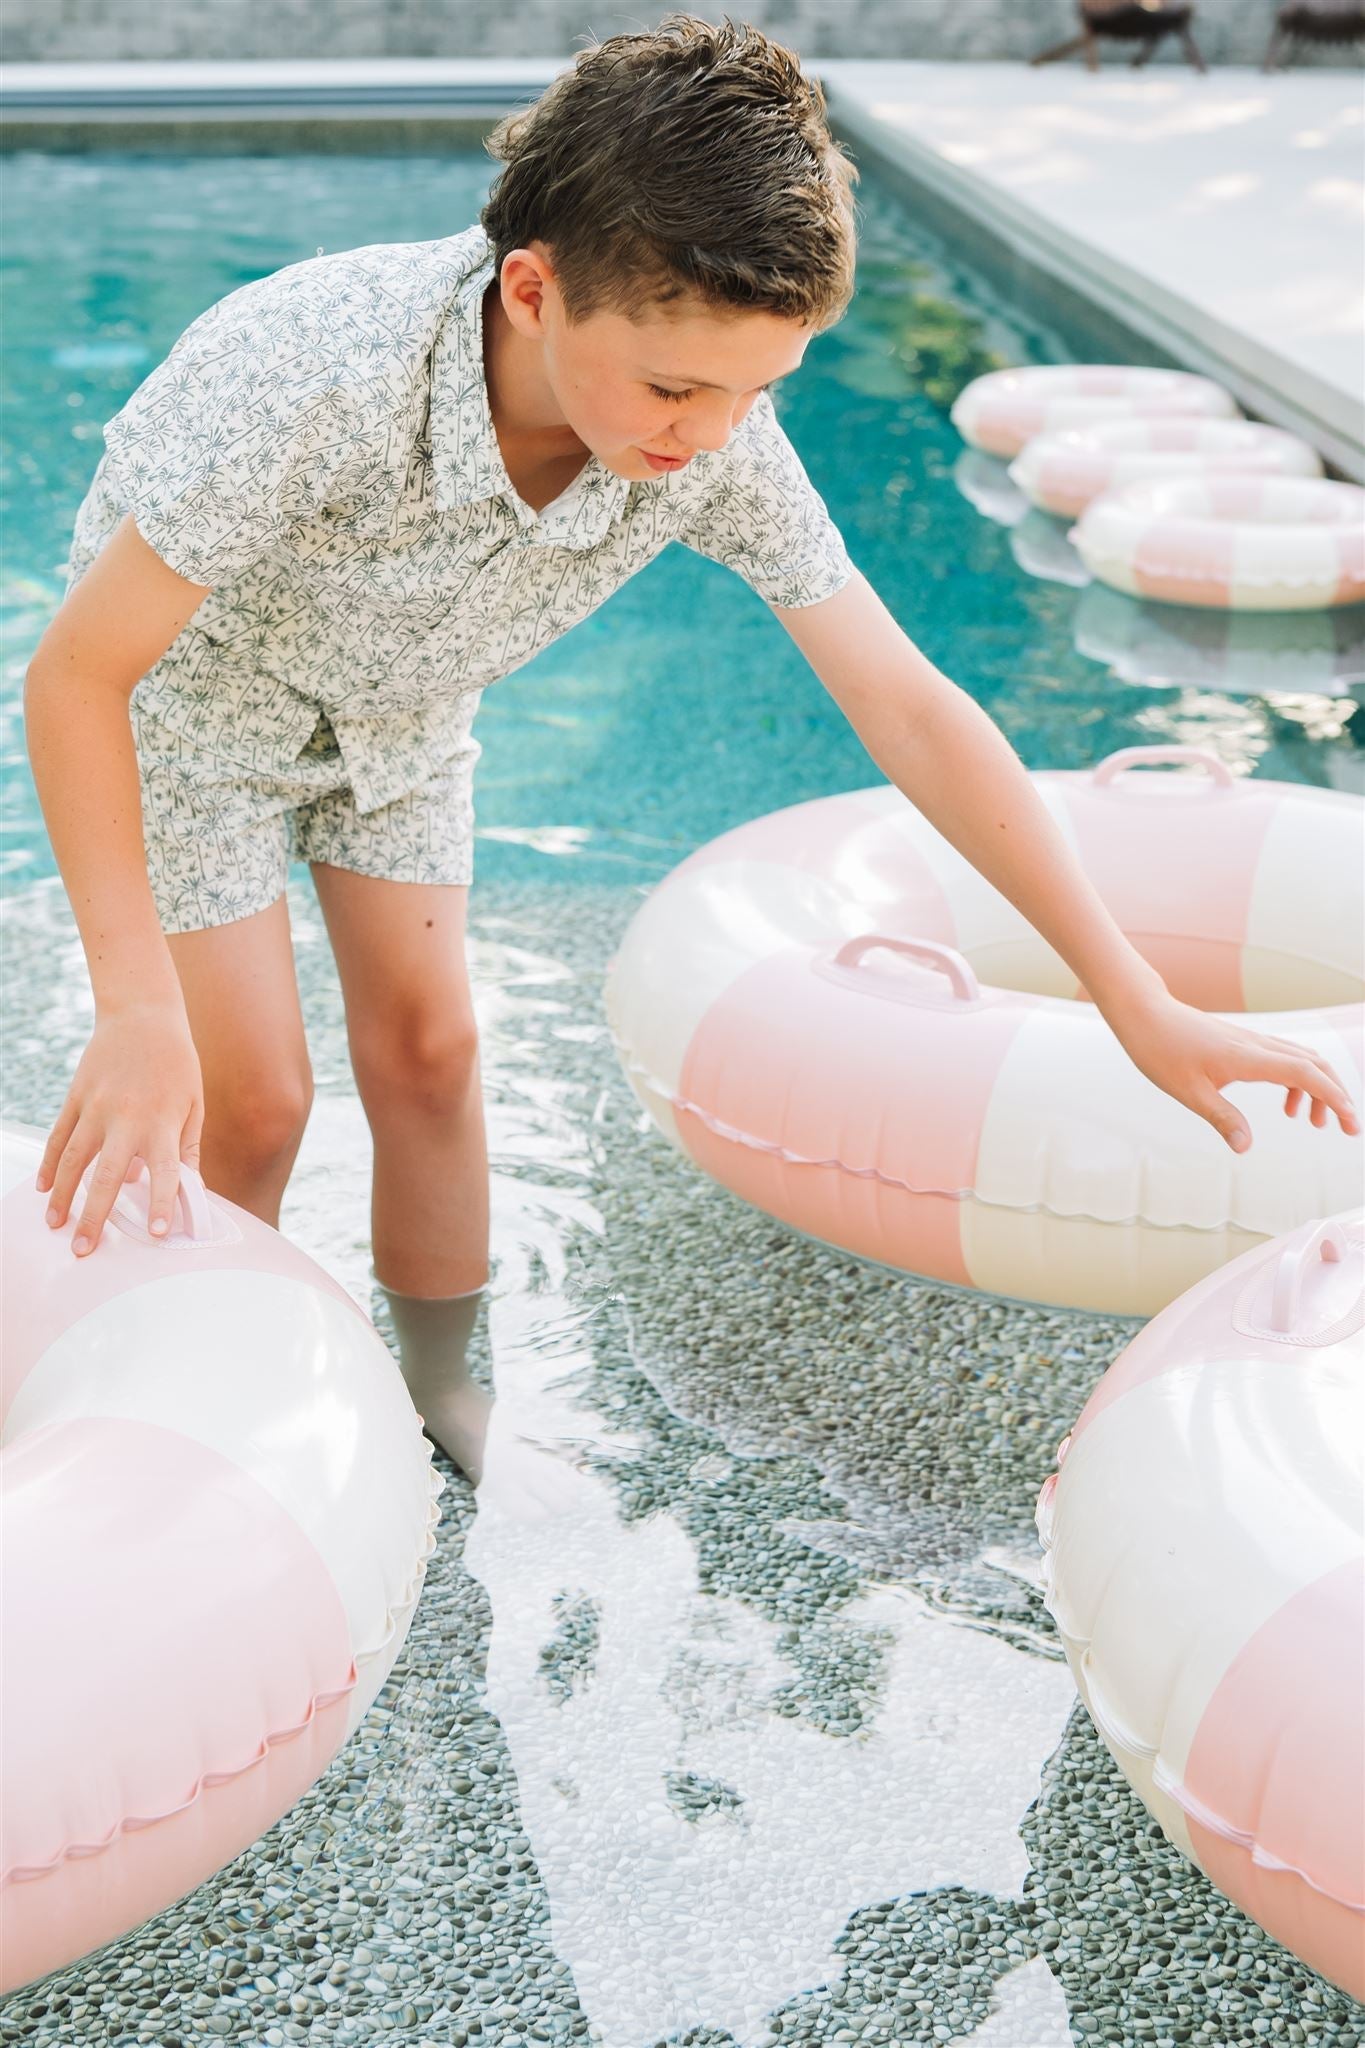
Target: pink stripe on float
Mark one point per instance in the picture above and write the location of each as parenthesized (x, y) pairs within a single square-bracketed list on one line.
[(851, 1117), (1185, 561), (1185, 912), (1275, 1779), (47, 1288), (175, 1646)]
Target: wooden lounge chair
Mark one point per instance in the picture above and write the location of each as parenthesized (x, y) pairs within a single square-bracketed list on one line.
[(1312, 21), (1144, 22)]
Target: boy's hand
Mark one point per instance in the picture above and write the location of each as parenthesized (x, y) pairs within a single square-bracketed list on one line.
[(1193, 1055), (137, 1094)]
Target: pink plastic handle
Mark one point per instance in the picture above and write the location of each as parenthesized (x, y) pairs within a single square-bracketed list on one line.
[(1156, 757), (132, 1207), (1325, 1240), (846, 962)]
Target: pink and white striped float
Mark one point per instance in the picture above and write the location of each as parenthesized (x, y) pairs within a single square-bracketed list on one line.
[(833, 1014), (1062, 472), (1002, 410), (218, 1509), (1249, 543), (1205, 1565)]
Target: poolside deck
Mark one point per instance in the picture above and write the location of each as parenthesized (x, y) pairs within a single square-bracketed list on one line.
[(1218, 216)]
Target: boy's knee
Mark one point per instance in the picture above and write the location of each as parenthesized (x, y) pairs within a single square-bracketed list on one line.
[(424, 1058), (265, 1118)]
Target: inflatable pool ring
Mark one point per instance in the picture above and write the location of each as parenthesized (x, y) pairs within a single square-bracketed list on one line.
[(836, 1017), (1169, 646), (1002, 410), (1247, 543), (1204, 1560), (218, 1509), (1062, 472)]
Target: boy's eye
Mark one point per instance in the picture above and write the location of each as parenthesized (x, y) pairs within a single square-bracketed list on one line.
[(659, 392)]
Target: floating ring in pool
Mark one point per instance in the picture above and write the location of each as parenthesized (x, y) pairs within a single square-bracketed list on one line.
[(836, 1017), (219, 1507), (1002, 410), (1205, 1565), (1062, 472), (1243, 543)]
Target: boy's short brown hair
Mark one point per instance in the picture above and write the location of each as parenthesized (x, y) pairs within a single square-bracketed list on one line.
[(694, 161)]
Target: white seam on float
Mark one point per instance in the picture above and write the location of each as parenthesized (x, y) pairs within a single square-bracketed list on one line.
[(1244, 1838)]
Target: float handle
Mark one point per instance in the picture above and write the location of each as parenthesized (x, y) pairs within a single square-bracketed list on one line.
[(1325, 1240), (1153, 757), (843, 966), (195, 1217)]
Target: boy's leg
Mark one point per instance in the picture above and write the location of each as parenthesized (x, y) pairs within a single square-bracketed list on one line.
[(242, 1000), (410, 1024)]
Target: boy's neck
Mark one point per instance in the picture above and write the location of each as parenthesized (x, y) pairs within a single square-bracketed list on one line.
[(526, 417)]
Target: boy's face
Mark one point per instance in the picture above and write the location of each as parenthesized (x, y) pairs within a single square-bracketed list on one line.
[(645, 393)]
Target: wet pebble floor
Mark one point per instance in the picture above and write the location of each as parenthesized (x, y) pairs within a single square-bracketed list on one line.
[(730, 1716)]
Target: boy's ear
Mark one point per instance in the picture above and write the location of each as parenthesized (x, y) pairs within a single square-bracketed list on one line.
[(527, 279)]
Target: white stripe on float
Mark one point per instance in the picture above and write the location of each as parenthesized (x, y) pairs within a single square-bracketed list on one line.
[(1305, 945), (286, 1382), (1073, 1125), (1275, 568), (1188, 1513)]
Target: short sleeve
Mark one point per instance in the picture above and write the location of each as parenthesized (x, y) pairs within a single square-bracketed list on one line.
[(241, 428), (766, 520)]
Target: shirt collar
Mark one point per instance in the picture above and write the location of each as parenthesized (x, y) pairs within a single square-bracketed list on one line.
[(466, 461)]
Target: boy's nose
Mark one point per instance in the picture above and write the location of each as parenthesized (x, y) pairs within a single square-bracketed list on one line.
[(708, 428)]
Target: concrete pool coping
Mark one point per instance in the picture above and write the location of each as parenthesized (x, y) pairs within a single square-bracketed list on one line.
[(1118, 190)]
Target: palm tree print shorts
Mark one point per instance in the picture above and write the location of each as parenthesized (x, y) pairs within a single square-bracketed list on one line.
[(219, 838)]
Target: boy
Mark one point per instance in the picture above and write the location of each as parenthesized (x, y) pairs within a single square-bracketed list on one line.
[(360, 490)]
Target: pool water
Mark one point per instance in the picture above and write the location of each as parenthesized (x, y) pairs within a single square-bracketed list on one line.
[(731, 1716), (681, 708)]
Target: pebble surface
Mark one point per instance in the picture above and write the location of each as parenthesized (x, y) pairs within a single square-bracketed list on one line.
[(823, 1433)]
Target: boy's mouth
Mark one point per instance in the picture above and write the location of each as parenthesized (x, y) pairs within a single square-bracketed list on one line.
[(663, 462)]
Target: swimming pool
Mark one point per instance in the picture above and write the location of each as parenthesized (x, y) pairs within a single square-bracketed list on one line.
[(756, 1734), (680, 709)]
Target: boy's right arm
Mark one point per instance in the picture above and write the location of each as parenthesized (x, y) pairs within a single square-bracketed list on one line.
[(137, 1092)]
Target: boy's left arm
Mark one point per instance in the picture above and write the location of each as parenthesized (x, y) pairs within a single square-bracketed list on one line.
[(957, 768)]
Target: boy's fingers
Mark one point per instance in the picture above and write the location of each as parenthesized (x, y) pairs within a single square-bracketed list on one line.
[(165, 1172), (1292, 1101), (80, 1149), (102, 1190), (58, 1139), (1228, 1121), (191, 1135), (1302, 1073)]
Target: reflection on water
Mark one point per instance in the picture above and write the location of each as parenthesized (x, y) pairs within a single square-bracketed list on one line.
[(1041, 547), (985, 481), (1253, 653)]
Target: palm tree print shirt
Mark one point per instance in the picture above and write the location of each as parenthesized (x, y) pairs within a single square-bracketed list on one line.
[(318, 449)]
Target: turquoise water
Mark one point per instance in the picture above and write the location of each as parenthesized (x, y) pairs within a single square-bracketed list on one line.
[(681, 708)]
